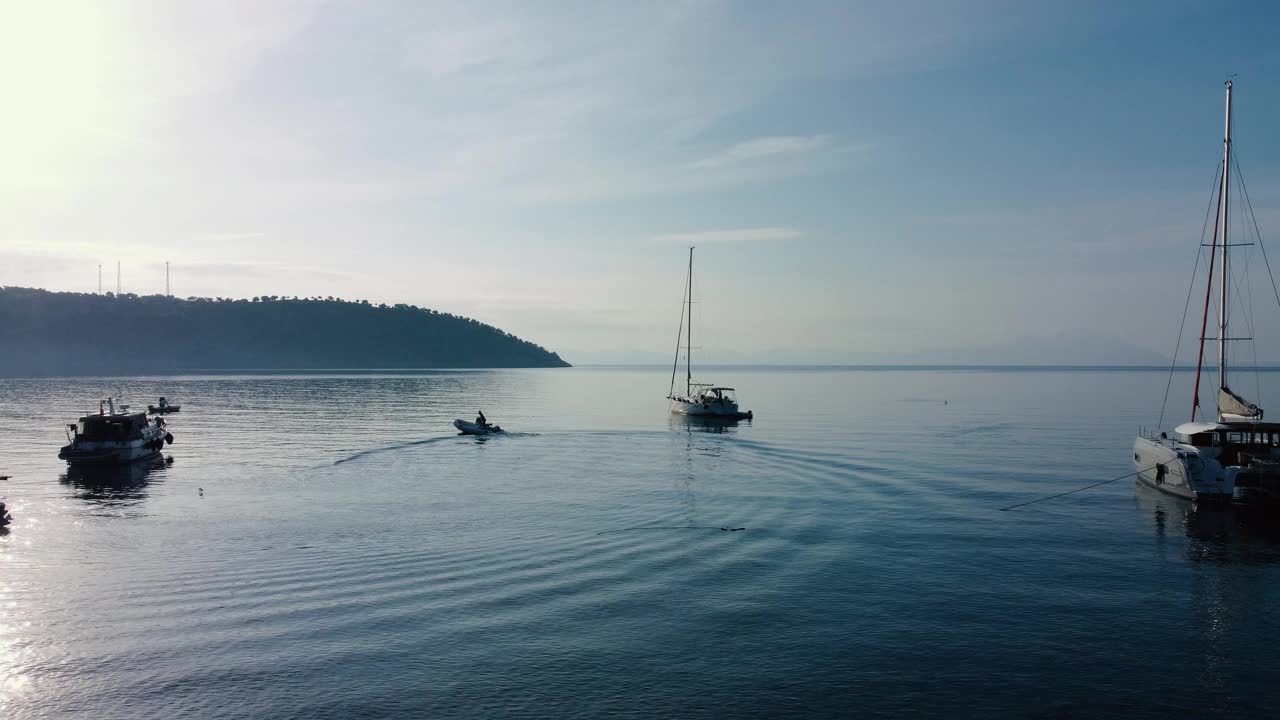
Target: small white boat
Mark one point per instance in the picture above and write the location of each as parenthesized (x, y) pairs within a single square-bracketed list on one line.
[(114, 438), (470, 428), (699, 399)]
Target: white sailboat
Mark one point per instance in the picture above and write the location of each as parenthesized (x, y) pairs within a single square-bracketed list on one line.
[(706, 400), (1236, 456)]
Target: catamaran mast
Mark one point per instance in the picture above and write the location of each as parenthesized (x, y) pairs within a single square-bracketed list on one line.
[(1204, 317), (1222, 267), (688, 349)]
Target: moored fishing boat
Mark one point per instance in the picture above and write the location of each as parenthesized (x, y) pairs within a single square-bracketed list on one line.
[(113, 438)]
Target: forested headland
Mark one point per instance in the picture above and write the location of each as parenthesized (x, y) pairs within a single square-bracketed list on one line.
[(60, 333)]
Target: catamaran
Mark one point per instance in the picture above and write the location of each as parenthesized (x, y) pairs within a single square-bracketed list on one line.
[(706, 400), (1234, 456)]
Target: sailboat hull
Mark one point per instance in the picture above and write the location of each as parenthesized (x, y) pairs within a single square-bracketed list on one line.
[(680, 406)]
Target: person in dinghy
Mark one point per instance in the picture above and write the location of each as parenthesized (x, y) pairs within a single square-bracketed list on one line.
[(481, 426)]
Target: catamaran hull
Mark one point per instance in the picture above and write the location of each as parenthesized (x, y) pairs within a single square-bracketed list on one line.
[(1183, 475)]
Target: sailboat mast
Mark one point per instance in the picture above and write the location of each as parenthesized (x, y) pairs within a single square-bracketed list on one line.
[(1222, 267), (1204, 318), (688, 350)]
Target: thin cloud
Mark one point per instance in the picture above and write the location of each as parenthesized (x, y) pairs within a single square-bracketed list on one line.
[(765, 147), (224, 236), (721, 236)]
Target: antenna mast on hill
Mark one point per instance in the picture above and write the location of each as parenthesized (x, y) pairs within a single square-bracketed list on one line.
[(117, 277), (99, 278), (166, 279)]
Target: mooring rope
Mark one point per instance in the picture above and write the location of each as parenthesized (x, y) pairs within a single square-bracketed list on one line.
[(1086, 487)]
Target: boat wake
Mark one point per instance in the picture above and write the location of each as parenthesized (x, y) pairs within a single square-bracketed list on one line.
[(426, 441), (389, 448)]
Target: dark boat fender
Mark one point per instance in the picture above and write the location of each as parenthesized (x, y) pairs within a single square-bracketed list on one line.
[(168, 437)]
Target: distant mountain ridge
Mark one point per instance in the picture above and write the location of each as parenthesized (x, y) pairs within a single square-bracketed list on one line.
[(59, 333)]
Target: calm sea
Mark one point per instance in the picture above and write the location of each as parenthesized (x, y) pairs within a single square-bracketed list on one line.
[(323, 546)]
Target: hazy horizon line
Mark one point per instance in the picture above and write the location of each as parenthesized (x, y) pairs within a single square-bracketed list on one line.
[(747, 366)]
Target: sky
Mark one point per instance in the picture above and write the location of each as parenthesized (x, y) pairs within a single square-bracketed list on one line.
[(929, 181)]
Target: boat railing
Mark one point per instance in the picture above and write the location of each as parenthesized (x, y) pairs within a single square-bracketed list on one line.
[(1152, 435)]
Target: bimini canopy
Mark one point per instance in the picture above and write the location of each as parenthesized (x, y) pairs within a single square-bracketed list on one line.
[(1194, 428), (1230, 403)]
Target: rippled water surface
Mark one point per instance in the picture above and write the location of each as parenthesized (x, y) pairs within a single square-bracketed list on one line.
[(323, 546)]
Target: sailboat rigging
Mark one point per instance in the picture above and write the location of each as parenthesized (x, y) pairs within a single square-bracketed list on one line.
[(699, 399), (1236, 457)]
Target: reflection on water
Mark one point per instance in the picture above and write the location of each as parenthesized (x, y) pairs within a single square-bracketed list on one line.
[(114, 485), (1224, 545), (684, 486), (1232, 535), (1218, 533), (705, 424)]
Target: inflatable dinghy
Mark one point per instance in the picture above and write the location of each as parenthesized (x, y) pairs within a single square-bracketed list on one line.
[(470, 428)]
